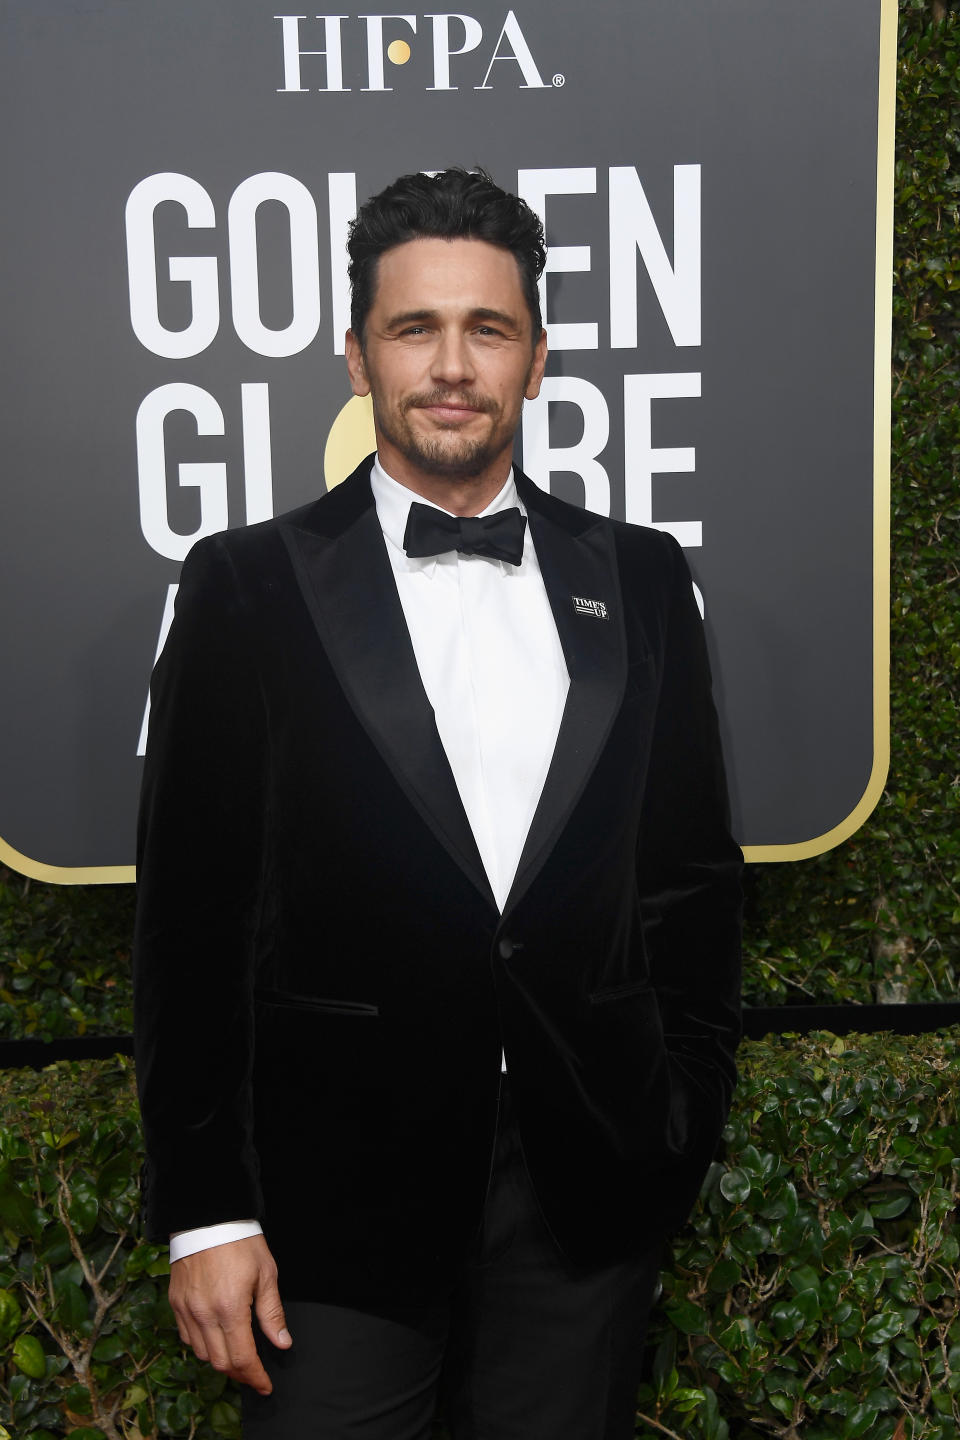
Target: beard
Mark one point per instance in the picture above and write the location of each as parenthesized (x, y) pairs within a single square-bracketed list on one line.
[(445, 453)]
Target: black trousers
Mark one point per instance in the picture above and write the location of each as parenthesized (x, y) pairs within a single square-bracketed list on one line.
[(527, 1347)]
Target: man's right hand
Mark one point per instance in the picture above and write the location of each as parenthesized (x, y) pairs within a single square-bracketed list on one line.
[(211, 1293)]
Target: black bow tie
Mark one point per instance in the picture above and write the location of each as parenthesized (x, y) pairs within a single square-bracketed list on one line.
[(434, 532)]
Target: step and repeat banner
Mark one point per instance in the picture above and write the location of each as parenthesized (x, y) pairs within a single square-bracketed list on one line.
[(715, 181)]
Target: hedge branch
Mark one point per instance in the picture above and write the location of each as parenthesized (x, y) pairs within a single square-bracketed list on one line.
[(655, 1424)]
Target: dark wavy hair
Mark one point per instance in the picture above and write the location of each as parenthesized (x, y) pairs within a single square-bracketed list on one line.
[(454, 204)]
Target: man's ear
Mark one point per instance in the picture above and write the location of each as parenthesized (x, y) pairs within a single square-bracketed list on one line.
[(535, 373), (356, 365)]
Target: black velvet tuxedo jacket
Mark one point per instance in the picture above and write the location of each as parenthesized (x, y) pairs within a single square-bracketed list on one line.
[(323, 980)]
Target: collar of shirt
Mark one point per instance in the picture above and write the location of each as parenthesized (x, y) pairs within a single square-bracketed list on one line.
[(393, 502)]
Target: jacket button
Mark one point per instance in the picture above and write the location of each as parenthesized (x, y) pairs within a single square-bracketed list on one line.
[(508, 947)]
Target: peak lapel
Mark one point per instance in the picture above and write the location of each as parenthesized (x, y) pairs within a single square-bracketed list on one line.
[(341, 564), (578, 563)]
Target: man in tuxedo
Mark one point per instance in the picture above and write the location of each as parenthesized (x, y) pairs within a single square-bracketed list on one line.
[(437, 941)]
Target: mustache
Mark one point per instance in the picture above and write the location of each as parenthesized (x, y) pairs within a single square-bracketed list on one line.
[(472, 399)]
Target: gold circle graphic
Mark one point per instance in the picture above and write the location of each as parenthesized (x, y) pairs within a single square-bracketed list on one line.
[(351, 438), (398, 51)]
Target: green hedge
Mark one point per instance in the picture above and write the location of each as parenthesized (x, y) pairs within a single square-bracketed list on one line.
[(88, 1344), (64, 959), (814, 1293)]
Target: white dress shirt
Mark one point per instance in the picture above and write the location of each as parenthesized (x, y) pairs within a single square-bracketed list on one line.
[(491, 663)]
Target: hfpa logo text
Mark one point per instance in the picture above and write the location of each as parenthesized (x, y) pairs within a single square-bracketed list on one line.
[(307, 62)]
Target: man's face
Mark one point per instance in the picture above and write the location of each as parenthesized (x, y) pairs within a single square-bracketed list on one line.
[(448, 359)]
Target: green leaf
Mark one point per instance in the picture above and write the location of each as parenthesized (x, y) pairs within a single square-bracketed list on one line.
[(10, 1316), (667, 1386), (783, 1205), (28, 1356), (83, 1210), (787, 1319), (72, 1305), (740, 1334), (725, 1275), (225, 1419), (881, 1328), (16, 1211), (808, 1303), (664, 1359), (735, 1186), (751, 1239), (77, 1398), (115, 1174), (109, 1347), (783, 1403), (804, 1277), (890, 1209), (860, 1422), (688, 1318)]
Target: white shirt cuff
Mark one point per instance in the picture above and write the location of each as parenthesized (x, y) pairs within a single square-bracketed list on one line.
[(205, 1237)]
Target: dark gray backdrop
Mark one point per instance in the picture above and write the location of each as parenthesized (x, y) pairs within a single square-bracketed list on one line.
[(777, 105)]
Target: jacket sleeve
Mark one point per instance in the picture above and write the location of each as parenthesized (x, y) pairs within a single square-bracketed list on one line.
[(199, 866), (689, 872)]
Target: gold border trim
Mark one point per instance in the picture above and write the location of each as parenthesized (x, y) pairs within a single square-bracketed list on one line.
[(66, 874), (883, 327)]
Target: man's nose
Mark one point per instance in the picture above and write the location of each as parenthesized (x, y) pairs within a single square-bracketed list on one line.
[(452, 362)]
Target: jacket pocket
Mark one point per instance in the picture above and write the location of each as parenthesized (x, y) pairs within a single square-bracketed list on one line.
[(620, 992), (284, 999)]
